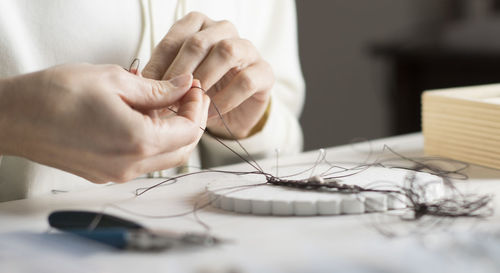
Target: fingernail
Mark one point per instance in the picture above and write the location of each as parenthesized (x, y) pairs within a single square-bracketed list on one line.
[(134, 66), (182, 80), (196, 83)]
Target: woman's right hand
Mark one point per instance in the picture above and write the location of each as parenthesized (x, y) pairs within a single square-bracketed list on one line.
[(97, 121)]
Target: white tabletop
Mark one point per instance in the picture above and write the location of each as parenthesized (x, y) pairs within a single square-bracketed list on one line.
[(342, 243)]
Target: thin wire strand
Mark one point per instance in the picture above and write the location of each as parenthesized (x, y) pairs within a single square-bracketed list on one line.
[(257, 166), (414, 195)]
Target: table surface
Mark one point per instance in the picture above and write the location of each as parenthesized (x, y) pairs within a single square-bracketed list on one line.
[(341, 243)]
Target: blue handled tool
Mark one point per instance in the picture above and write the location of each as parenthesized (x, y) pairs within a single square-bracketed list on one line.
[(122, 233)]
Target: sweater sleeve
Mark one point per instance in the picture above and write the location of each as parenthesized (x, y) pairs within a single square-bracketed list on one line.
[(279, 46)]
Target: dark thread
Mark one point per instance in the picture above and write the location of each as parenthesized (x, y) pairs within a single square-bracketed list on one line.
[(411, 193)]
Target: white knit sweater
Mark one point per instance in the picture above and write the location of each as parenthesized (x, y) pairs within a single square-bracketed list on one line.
[(35, 35)]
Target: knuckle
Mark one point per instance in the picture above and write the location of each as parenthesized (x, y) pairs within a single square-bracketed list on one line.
[(247, 82), (268, 70), (196, 15), (251, 48), (136, 144), (115, 73), (114, 68), (230, 28), (157, 90), (167, 44), (129, 133), (197, 43), (140, 149), (57, 74), (226, 24), (226, 49)]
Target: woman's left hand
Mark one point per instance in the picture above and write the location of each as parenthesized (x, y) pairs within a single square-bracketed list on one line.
[(230, 68)]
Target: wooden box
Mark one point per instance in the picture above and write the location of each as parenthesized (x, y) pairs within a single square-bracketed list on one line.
[(463, 124)]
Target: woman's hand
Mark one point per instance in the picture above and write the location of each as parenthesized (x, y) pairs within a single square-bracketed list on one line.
[(236, 78), (95, 120)]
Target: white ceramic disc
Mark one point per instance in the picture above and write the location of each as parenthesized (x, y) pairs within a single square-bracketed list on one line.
[(243, 194)]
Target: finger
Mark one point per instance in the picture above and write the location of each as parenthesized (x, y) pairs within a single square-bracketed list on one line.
[(196, 83), (192, 107), (197, 47), (175, 106), (91, 176), (255, 80), (146, 94), (225, 55), (174, 158), (134, 67), (165, 52), (184, 128), (204, 118), (167, 112), (166, 160)]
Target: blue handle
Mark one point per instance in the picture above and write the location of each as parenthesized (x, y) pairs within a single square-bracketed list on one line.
[(115, 237)]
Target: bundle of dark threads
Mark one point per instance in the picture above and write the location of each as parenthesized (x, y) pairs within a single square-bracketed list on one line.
[(412, 194)]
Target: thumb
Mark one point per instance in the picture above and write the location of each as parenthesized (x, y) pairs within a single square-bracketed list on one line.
[(150, 94)]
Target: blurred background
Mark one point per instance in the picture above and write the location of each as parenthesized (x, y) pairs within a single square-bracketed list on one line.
[(366, 63)]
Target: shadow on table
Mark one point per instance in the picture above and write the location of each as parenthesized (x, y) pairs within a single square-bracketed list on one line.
[(47, 252)]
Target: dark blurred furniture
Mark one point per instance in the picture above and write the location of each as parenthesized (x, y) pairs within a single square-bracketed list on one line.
[(415, 69)]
